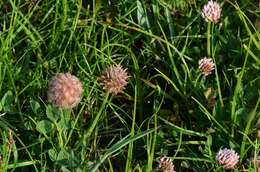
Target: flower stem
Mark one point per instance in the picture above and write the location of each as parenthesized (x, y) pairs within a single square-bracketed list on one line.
[(212, 50), (208, 39)]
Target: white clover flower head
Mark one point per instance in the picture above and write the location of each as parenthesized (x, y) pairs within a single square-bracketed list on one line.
[(211, 12), (206, 66), (166, 165), (227, 158)]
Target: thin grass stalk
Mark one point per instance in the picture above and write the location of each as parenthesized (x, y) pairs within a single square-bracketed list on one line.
[(64, 14), (130, 147), (218, 84), (182, 130), (74, 126), (215, 62), (95, 121), (210, 117), (27, 151), (150, 151), (54, 28), (252, 116), (247, 21), (236, 92), (118, 146), (176, 72)]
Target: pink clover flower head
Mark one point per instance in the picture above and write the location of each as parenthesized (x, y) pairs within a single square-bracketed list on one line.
[(166, 165), (114, 79), (206, 66), (211, 12), (227, 158), (64, 90)]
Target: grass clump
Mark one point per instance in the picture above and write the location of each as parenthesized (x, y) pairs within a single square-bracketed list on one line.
[(168, 109)]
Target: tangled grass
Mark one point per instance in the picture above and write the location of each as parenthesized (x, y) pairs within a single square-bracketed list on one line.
[(169, 108)]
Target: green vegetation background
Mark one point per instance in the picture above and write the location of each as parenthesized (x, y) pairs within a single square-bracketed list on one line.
[(168, 107)]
